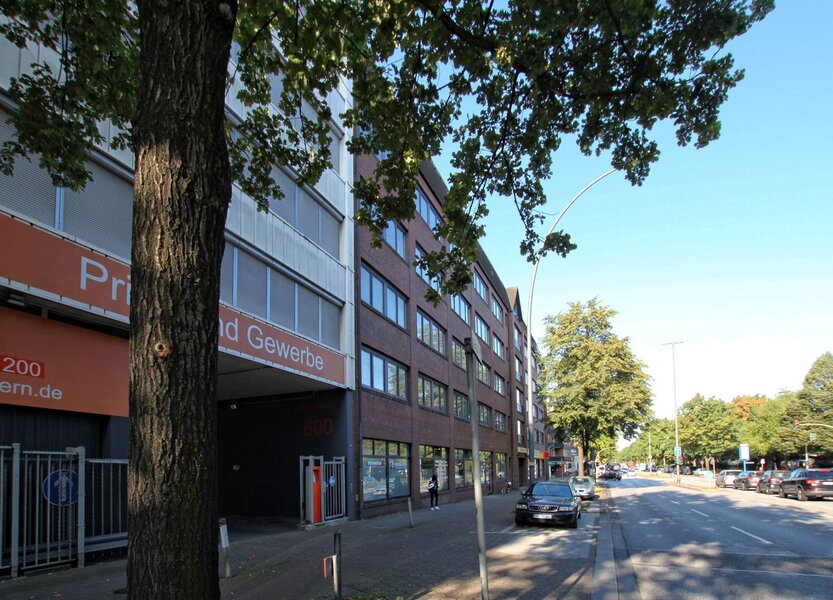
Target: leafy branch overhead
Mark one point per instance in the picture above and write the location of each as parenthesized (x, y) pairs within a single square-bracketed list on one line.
[(504, 85)]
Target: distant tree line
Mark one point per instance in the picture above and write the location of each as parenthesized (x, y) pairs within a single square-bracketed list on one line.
[(778, 429)]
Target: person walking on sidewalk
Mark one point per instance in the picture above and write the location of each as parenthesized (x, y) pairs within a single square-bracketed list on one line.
[(434, 493)]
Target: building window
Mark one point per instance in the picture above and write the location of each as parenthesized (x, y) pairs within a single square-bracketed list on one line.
[(519, 370), (497, 310), (384, 375), (426, 210), (430, 333), (422, 272), (500, 467), (385, 470), (517, 338), (484, 415), (463, 468), (433, 460), (395, 237), (519, 400), (500, 385), (485, 468), (462, 406), (461, 306), (521, 433), (500, 421), (484, 373), (383, 297), (498, 347), (432, 395), (481, 329), (458, 354), (480, 286), (252, 285)]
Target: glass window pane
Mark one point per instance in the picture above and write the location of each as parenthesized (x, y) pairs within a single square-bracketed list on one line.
[(366, 374), (378, 294), (378, 373), (227, 275), (308, 210), (366, 285), (308, 315), (329, 239), (251, 284), (330, 324), (282, 300), (284, 208)]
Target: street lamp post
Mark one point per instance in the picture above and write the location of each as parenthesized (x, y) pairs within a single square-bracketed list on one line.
[(677, 449), (529, 424)]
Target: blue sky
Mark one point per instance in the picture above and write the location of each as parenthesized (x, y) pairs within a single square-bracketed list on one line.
[(728, 249)]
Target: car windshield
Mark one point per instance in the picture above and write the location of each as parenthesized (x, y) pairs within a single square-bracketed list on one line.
[(582, 480), (559, 490)]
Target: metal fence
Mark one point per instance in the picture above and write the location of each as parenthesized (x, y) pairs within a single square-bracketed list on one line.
[(57, 506)]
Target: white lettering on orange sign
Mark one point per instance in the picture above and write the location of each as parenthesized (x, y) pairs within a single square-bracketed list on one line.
[(304, 356), (95, 272)]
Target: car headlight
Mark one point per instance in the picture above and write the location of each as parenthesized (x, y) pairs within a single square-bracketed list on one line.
[(522, 506)]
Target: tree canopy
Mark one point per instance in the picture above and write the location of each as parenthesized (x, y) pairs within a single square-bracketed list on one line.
[(708, 428), (592, 384), (504, 83)]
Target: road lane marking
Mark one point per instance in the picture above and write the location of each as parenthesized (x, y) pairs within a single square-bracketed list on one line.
[(674, 502), (507, 529), (760, 539), (702, 514)]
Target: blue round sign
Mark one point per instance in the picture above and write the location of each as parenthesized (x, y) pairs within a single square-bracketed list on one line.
[(61, 487)]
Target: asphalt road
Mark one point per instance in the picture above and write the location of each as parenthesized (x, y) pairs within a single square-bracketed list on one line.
[(676, 543)]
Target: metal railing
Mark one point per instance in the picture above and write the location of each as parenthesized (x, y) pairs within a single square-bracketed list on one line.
[(57, 506)]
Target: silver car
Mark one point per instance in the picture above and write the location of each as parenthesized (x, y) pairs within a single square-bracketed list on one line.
[(583, 487), (726, 478)]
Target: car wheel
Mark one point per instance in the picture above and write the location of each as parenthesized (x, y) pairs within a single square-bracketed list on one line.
[(800, 495), (518, 520), (781, 493), (574, 523)]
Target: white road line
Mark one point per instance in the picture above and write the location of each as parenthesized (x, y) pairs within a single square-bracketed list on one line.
[(702, 514), (507, 529), (760, 539), (674, 502)]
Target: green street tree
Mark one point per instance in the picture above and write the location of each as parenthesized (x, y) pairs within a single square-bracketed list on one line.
[(708, 428), (814, 404), (505, 85), (661, 446), (767, 431), (592, 384)]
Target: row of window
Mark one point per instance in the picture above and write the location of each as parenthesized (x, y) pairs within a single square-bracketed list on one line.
[(257, 288), (386, 472), (389, 377)]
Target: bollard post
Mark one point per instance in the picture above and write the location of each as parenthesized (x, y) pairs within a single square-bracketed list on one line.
[(224, 543), (410, 513), (337, 566)]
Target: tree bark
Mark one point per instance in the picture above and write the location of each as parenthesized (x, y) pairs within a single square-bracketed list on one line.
[(181, 194)]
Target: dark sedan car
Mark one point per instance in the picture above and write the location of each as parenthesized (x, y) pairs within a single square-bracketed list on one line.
[(770, 481), (740, 482), (549, 502), (615, 475), (748, 482), (808, 483)]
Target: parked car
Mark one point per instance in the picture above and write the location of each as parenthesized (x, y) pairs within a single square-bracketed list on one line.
[(549, 502), (611, 475), (770, 481), (700, 472), (726, 477), (741, 479), (808, 483), (583, 486)]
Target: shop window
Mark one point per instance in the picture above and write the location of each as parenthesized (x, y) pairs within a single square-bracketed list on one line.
[(463, 468), (385, 470), (433, 460)]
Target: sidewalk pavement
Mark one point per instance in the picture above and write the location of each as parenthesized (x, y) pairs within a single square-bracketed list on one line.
[(385, 558)]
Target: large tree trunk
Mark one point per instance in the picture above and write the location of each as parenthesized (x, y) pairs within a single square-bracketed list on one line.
[(181, 195)]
